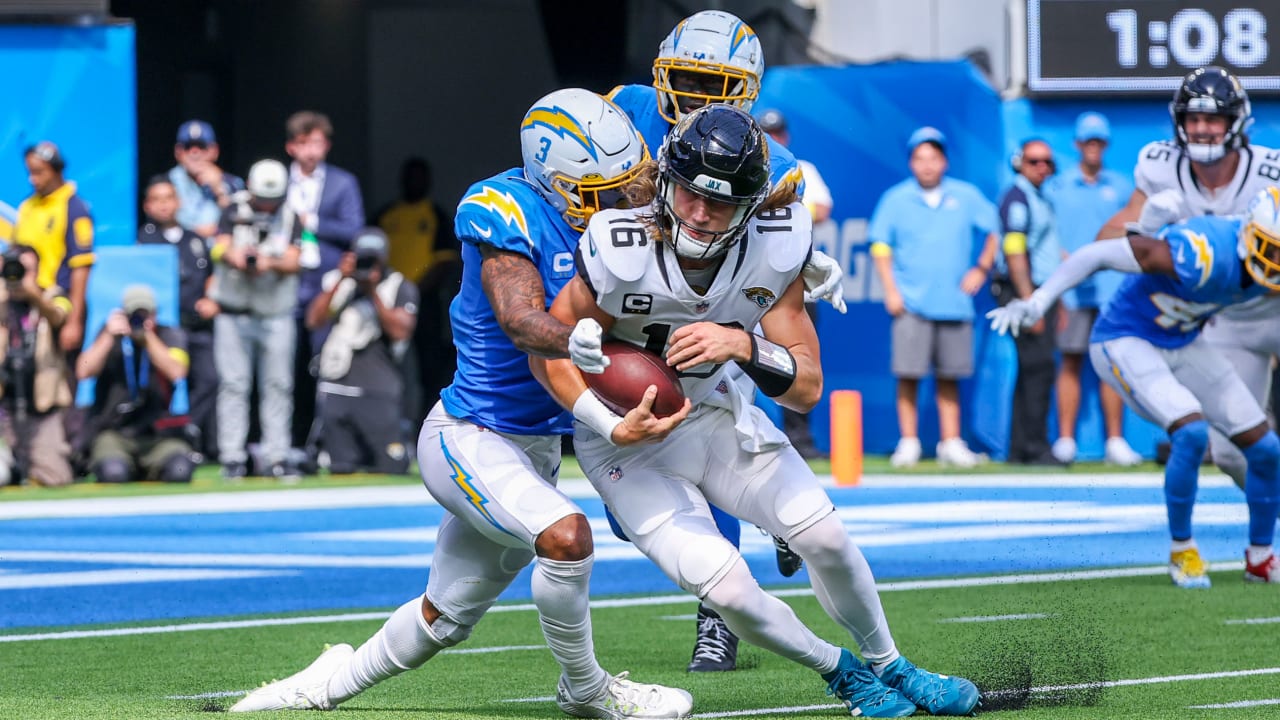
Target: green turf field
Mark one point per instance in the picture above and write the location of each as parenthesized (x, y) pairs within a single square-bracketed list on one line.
[(1081, 637)]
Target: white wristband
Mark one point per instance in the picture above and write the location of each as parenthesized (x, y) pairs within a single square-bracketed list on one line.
[(591, 412)]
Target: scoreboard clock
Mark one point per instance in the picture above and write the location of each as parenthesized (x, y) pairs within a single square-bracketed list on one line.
[(1147, 46)]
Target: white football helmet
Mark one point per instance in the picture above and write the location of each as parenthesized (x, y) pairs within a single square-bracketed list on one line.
[(579, 151), (714, 57), (1259, 245)]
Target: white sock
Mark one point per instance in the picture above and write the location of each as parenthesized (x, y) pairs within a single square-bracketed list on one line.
[(560, 591), (765, 621), (1258, 553), (402, 643), (845, 587), (1178, 546)]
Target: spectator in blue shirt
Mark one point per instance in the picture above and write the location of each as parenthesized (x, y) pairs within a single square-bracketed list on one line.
[(1084, 197), (203, 189), (1031, 253), (925, 233)]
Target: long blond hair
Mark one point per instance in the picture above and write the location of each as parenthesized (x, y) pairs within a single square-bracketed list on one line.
[(643, 190)]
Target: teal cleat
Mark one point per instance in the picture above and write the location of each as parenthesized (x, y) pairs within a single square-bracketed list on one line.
[(938, 694), (862, 692)]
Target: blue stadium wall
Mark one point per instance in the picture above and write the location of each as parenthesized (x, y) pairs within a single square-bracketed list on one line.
[(74, 86), (853, 123)]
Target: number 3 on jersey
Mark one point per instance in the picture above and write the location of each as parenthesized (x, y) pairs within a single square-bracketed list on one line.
[(1176, 312)]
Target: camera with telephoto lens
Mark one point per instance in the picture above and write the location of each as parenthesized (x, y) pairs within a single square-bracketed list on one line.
[(13, 270), (364, 266), (261, 224)]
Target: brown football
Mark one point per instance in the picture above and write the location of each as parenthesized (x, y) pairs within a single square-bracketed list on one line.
[(631, 370)]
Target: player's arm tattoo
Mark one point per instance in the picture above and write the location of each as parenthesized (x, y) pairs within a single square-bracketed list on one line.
[(514, 287)]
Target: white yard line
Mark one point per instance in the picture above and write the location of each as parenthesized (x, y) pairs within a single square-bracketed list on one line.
[(412, 494), (1253, 621), (1237, 704), (996, 618)]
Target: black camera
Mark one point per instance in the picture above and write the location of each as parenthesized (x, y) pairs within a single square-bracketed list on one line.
[(364, 266), (138, 319), (13, 269)]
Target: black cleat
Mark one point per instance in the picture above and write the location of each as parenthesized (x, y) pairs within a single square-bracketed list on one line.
[(717, 648), (789, 563), (234, 470)]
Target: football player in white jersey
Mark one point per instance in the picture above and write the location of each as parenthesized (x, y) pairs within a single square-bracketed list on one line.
[(707, 253), (489, 451), (1217, 171)]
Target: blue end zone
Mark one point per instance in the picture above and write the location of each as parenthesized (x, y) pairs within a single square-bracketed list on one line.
[(271, 561)]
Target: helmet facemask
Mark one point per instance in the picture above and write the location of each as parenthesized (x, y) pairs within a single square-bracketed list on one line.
[(1259, 245), (686, 85), (583, 198), (692, 242)]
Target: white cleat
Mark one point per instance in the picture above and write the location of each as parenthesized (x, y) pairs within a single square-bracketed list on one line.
[(1119, 453), (305, 690), (1064, 450), (955, 453), (907, 454), (621, 698)]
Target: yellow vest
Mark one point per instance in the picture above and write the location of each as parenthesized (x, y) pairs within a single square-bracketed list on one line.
[(42, 224), (411, 229)]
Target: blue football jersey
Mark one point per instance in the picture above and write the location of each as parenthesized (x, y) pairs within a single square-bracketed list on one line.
[(640, 103), (493, 386), (1168, 312)]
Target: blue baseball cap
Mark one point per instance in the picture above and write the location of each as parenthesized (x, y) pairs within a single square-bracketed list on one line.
[(1092, 126), (196, 131), (926, 134)]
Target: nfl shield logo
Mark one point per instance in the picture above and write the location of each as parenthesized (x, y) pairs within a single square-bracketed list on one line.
[(702, 307), (615, 474)]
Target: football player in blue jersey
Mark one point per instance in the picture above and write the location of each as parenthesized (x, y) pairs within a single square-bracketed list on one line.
[(1147, 345), (489, 451), (714, 57)]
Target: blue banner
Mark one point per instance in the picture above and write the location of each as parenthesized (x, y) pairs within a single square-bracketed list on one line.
[(75, 87), (853, 123)]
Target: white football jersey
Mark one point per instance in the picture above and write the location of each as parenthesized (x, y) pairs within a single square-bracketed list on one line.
[(639, 281), (1162, 165)]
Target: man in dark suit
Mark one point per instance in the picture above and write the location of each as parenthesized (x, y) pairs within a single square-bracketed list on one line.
[(327, 202)]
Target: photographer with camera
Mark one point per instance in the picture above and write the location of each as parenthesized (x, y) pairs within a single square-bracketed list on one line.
[(372, 311), (36, 380), (255, 284), (137, 362)]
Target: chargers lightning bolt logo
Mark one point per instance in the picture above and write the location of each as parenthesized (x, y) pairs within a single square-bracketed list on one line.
[(463, 479), (562, 124), (741, 34), (1204, 255), (501, 203)]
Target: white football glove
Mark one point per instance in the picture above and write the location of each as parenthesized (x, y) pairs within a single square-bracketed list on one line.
[(824, 280), (1010, 319), (584, 347), (1163, 208)]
